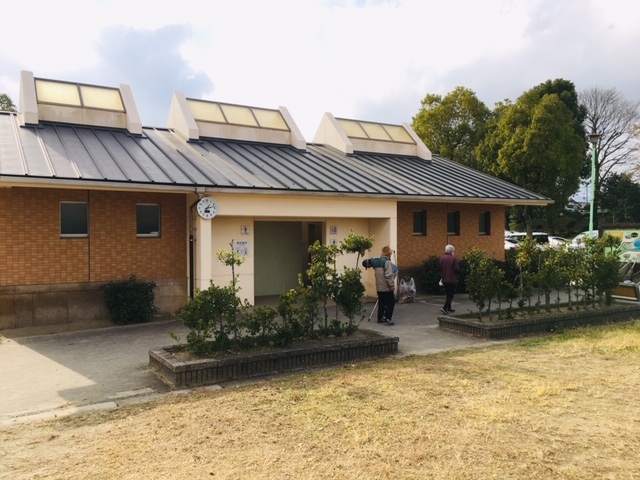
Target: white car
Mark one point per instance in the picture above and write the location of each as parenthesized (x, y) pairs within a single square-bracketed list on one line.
[(558, 241), (578, 240), (508, 244), (540, 237)]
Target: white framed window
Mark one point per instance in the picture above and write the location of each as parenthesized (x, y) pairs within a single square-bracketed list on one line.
[(148, 220)]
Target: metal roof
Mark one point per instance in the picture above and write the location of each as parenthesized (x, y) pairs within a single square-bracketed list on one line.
[(51, 153)]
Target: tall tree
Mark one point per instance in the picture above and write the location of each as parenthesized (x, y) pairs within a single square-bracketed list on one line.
[(621, 198), (6, 104), (614, 118), (538, 142), (452, 126)]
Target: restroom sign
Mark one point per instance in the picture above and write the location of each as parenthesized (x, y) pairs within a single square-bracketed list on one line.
[(241, 247)]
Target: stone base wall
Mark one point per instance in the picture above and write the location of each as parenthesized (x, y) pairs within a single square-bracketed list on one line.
[(179, 374), (540, 325), (24, 306)]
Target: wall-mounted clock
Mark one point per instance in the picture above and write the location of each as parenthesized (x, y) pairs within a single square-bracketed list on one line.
[(207, 207)]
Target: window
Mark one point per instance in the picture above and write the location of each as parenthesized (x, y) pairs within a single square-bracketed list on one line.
[(420, 222), (74, 219), (485, 223), (148, 220), (453, 223)]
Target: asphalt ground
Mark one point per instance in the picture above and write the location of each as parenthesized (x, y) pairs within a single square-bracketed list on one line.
[(57, 374)]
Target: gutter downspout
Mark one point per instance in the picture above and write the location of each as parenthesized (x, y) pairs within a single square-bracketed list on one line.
[(191, 251)]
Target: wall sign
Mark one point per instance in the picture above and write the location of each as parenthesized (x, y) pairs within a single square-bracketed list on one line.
[(241, 247)]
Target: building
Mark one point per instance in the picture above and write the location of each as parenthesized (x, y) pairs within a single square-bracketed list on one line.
[(88, 195)]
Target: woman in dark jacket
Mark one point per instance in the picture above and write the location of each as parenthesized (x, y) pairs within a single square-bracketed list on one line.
[(449, 269)]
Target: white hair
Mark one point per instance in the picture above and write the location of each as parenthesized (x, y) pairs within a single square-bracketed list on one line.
[(449, 249)]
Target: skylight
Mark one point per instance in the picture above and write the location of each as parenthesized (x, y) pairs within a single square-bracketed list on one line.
[(226, 113), (78, 95), (374, 131)]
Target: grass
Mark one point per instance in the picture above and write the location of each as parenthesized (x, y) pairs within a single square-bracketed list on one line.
[(554, 407)]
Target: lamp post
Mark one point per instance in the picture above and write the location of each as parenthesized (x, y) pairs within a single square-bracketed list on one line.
[(593, 139)]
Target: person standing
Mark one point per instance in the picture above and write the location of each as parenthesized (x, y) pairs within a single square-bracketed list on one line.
[(386, 273), (449, 269)]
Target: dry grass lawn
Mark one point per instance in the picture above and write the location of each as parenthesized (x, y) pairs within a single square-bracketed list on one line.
[(560, 407)]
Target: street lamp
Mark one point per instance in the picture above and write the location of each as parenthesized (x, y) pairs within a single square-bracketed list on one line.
[(593, 139)]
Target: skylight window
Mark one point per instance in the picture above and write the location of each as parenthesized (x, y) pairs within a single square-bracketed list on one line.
[(78, 95), (352, 128), (270, 119), (204, 111), (374, 131), (239, 115)]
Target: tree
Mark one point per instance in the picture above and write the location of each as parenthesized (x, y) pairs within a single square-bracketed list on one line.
[(6, 104), (609, 114), (621, 198), (538, 142), (452, 126)]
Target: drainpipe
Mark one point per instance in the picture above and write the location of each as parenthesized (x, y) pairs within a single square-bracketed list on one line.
[(192, 250)]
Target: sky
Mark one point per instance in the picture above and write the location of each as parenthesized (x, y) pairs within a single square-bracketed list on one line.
[(372, 60)]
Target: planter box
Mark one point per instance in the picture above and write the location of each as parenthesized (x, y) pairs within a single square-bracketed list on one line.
[(540, 324), (207, 371)]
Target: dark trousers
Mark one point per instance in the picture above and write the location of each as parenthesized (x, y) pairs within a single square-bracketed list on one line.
[(386, 302), (449, 289)]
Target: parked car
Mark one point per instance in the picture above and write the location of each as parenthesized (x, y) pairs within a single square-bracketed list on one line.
[(574, 208), (509, 244), (578, 240), (555, 241), (540, 237)]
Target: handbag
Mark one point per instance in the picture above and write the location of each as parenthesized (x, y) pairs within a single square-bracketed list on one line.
[(440, 283)]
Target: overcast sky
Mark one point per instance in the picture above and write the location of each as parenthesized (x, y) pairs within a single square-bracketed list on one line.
[(362, 59)]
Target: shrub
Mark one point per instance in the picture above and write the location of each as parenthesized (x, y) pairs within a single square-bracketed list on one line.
[(590, 274), (219, 321), (430, 273), (129, 301)]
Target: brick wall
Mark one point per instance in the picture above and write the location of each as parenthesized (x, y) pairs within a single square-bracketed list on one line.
[(48, 280), (414, 249), (33, 252)]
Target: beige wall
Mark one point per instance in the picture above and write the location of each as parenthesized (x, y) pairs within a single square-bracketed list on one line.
[(363, 216)]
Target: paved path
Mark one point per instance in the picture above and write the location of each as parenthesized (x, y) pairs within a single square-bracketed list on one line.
[(56, 374)]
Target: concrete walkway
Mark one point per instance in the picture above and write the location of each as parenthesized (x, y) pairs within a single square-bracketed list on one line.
[(57, 374)]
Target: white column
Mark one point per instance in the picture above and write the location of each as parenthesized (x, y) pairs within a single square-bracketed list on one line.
[(203, 253)]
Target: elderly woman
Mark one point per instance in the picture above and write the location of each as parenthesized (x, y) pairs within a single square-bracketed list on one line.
[(449, 269)]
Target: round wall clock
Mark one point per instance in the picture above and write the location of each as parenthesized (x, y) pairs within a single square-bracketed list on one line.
[(207, 207)]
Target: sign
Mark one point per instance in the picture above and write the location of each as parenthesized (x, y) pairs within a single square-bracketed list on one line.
[(241, 247)]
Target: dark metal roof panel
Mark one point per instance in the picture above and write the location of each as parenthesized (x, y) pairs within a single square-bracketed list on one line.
[(163, 157)]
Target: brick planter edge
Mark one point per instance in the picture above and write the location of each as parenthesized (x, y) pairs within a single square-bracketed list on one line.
[(539, 325), (200, 372)]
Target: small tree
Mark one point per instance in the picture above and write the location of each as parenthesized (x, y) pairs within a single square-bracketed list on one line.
[(350, 293), (359, 244), (322, 274), (233, 259), (480, 284)]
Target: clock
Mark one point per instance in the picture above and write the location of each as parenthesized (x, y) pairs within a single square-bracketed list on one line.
[(207, 207)]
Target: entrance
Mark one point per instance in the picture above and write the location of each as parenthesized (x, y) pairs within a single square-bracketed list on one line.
[(281, 254)]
